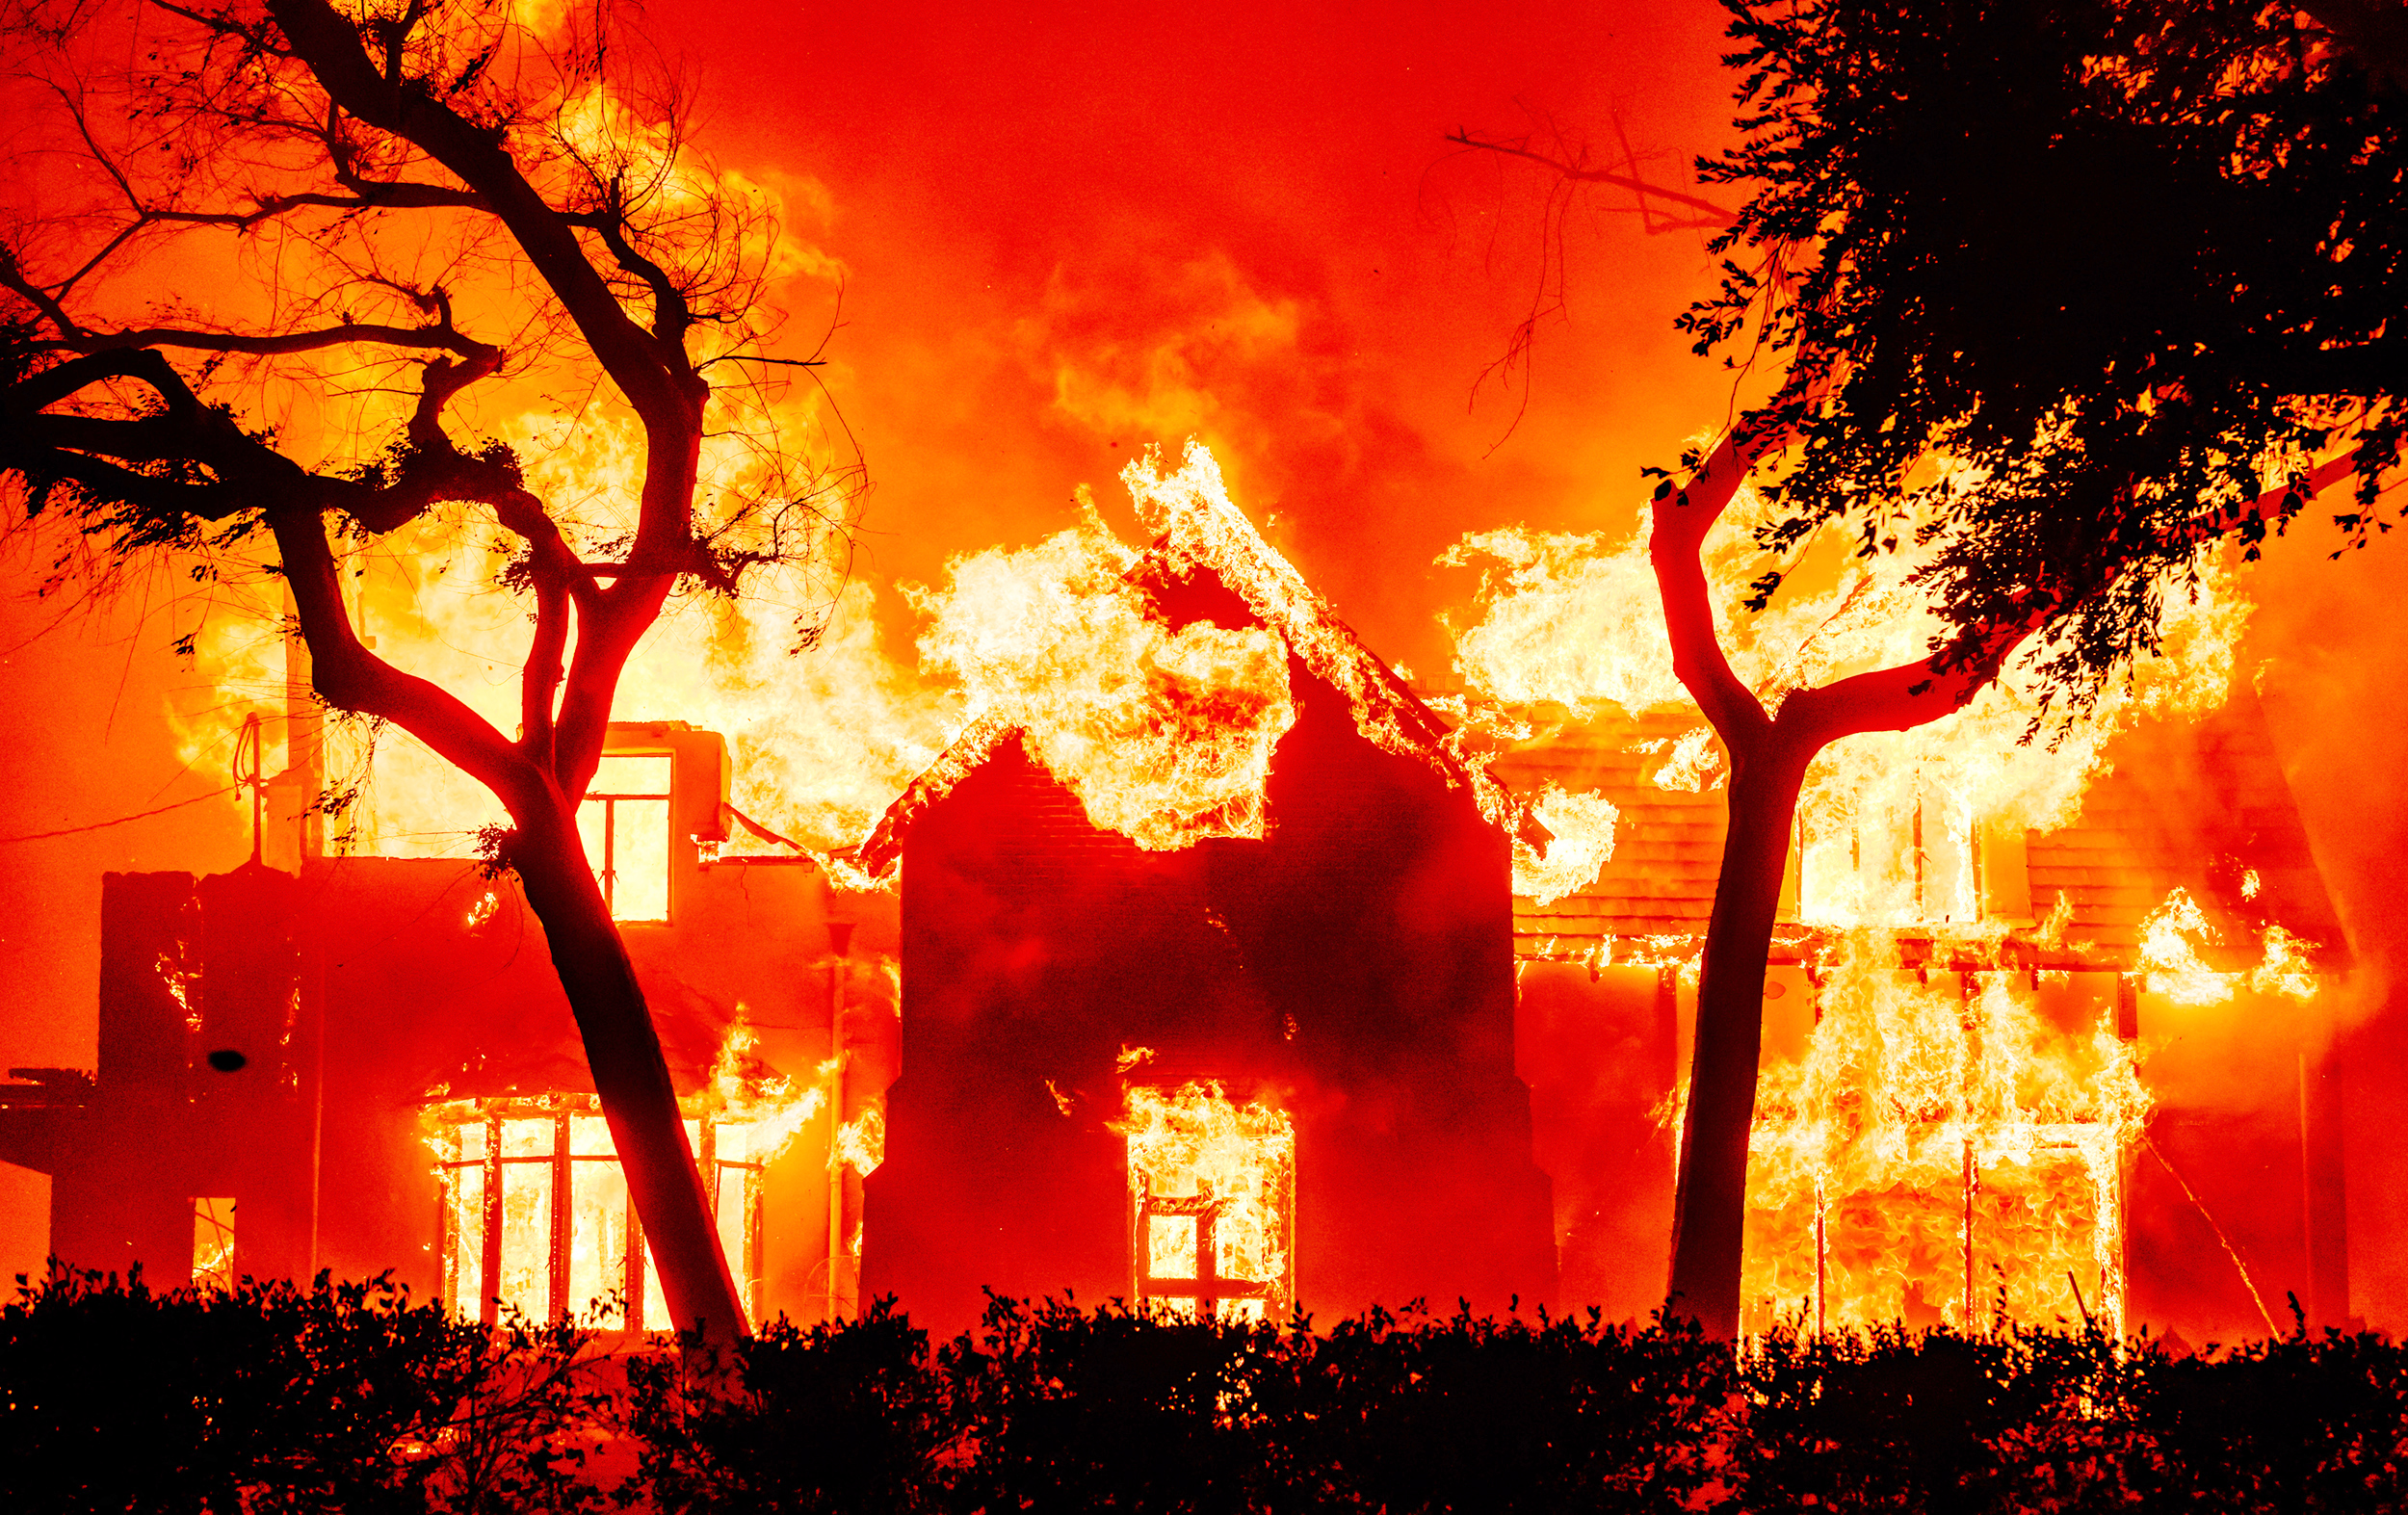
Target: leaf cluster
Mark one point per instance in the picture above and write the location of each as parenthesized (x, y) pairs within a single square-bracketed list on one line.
[(2061, 287)]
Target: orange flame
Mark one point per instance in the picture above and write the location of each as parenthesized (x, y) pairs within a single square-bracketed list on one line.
[(1934, 1120), (1195, 1143)]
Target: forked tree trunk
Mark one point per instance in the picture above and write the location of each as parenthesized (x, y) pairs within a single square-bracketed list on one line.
[(1769, 755), (1709, 1202), (630, 1074)]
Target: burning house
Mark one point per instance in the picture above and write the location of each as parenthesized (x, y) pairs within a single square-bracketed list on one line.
[(2003, 1069), (360, 1063), (1205, 967), (1253, 1048)]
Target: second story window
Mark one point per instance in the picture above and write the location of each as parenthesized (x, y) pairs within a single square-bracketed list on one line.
[(625, 822)]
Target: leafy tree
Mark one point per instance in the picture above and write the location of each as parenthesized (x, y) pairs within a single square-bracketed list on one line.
[(2122, 263), (2060, 294), (258, 274), (2067, 287)]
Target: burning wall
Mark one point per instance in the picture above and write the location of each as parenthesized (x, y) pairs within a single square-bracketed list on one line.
[(2022, 1083), (1350, 965), (378, 1003)]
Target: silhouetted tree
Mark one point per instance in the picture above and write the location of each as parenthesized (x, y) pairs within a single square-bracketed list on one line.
[(423, 197), (2064, 292), (2125, 272)]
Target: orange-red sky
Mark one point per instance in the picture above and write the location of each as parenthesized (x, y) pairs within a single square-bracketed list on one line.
[(1075, 230), (1072, 230)]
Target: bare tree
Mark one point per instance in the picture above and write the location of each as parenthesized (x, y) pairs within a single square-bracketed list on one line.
[(427, 201)]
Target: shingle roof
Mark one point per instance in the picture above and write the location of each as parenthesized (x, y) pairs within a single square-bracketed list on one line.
[(1667, 842), (2201, 806)]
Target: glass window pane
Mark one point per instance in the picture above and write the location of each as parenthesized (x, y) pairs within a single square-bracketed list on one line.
[(639, 853), (590, 1136), (632, 773), (464, 1260), (592, 831), (526, 1235), (734, 1141), (468, 1141), (656, 1315), (1170, 1245), (597, 1245), (527, 1138), (213, 1244), (734, 1205)]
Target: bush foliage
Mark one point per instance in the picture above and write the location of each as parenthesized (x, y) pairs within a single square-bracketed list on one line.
[(351, 1397)]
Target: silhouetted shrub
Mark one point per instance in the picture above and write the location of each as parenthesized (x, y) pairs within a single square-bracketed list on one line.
[(1470, 1413), (843, 1417), (350, 1398), (270, 1398), (2303, 1423)]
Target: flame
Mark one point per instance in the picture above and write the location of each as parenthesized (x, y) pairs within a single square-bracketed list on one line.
[(2285, 970), (1201, 527), (1194, 1142), (758, 1107), (1583, 829), (1886, 821), (179, 977), (1165, 736), (861, 1141), (1692, 764), (743, 1118), (1923, 1114), (2170, 938), (1931, 1118)]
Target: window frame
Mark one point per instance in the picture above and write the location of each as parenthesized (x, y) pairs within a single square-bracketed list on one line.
[(609, 799), (630, 1268)]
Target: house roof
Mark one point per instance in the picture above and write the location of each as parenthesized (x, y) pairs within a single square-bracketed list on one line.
[(2203, 807), (1209, 563)]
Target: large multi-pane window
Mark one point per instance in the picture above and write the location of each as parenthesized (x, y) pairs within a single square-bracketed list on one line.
[(536, 1219), (625, 823)]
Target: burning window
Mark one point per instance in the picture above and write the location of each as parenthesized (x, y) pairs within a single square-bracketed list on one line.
[(1212, 1202), (1912, 851), (213, 1244), (537, 1217), (1943, 1151), (625, 823)]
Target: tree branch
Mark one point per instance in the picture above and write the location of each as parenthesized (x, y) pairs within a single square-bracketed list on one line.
[(330, 45), (671, 316), (279, 343), (351, 677), (1714, 216), (1683, 517)]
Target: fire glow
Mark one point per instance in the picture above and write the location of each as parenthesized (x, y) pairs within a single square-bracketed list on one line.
[(1212, 1198), (536, 1219), (1945, 1150), (1947, 1144)]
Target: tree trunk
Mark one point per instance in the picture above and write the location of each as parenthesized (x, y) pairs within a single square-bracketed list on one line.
[(631, 1075), (1710, 1204)]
